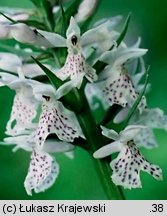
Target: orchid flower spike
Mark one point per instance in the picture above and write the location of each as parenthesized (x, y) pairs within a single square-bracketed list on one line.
[(24, 105), (117, 84), (129, 162)]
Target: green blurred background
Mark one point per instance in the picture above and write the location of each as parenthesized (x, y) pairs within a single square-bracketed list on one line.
[(78, 179)]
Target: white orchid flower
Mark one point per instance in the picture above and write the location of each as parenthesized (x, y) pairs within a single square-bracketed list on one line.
[(43, 169), (118, 87), (129, 162), (54, 118), (24, 105), (75, 64)]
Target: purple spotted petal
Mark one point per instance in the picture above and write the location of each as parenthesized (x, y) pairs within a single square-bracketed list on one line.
[(54, 119), (74, 66), (42, 173), (127, 166), (23, 112), (120, 90)]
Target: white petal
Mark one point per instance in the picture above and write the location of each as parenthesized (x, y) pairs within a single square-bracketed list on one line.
[(6, 78), (68, 86), (22, 141), (99, 34), (10, 62), (24, 34), (113, 21), (85, 10), (55, 39), (146, 139), (120, 56), (120, 116), (110, 133), (42, 173), (127, 166), (40, 89), (54, 146), (4, 31), (32, 70), (108, 150), (130, 132), (73, 29), (15, 14)]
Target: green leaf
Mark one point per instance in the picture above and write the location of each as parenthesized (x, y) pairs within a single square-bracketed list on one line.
[(54, 80), (65, 15), (45, 9), (41, 78), (34, 23), (72, 9), (11, 49), (48, 13), (124, 30), (99, 66)]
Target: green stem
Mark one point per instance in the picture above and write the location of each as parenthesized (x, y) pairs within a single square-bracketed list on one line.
[(95, 141)]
